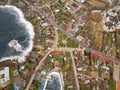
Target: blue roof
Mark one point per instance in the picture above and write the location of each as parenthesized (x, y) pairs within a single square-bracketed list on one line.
[(42, 85), (16, 87)]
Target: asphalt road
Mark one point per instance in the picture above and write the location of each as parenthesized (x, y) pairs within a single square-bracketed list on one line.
[(75, 72)]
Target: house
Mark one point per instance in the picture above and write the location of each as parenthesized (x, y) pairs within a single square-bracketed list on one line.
[(4, 75), (44, 24), (75, 5), (42, 85), (77, 63), (63, 0), (80, 1), (57, 10), (68, 8), (94, 55), (87, 81), (79, 69), (79, 38), (16, 87), (106, 68), (70, 87), (64, 58)]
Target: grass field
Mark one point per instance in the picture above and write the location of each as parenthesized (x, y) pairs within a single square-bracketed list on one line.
[(64, 41)]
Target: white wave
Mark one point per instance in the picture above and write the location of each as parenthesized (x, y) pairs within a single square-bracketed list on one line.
[(29, 29), (14, 44)]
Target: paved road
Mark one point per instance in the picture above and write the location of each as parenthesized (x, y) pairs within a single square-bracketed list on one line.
[(75, 72), (57, 38), (67, 49)]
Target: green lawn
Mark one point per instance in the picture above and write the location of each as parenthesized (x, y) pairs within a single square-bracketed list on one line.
[(12, 68), (109, 39), (69, 42)]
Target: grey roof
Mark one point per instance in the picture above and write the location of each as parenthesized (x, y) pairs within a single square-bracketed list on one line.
[(53, 83)]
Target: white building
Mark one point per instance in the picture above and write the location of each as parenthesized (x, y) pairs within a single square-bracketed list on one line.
[(54, 81), (4, 75), (63, 0), (80, 1), (79, 69), (79, 38), (44, 24)]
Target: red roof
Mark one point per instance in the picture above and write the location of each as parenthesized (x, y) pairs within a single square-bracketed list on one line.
[(67, 28), (107, 59), (93, 54), (80, 53), (117, 85), (75, 5)]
